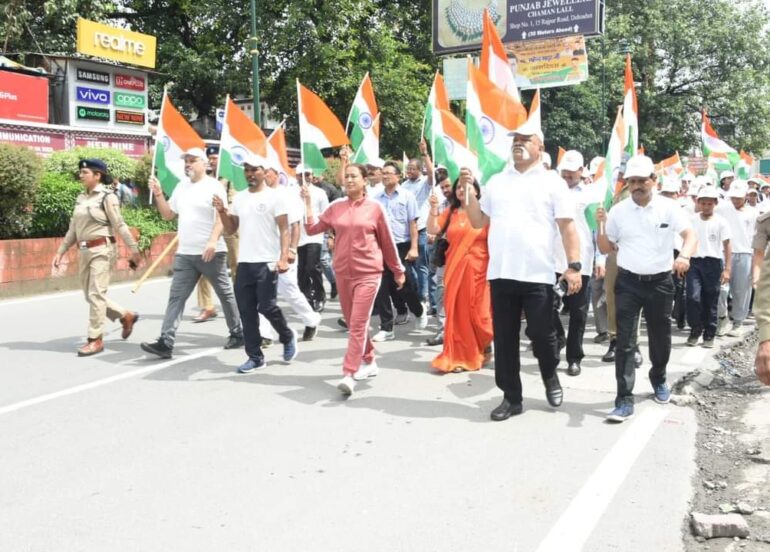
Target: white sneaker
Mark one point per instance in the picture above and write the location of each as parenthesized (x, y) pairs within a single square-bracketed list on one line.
[(724, 323), (422, 320), (382, 335), (366, 371), (735, 331), (401, 319), (347, 385)]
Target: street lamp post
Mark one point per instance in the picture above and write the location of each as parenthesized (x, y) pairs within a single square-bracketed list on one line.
[(254, 51)]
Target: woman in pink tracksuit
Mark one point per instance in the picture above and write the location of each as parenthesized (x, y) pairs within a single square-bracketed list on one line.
[(363, 244)]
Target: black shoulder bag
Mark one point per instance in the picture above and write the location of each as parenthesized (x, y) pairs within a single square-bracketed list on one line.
[(442, 244)]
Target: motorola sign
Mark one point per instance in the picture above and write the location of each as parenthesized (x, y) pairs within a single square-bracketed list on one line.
[(92, 95), (92, 113), (124, 99)]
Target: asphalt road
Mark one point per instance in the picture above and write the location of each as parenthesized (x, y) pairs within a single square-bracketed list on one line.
[(123, 452)]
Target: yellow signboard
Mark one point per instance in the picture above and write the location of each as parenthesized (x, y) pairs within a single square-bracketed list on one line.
[(96, 39)]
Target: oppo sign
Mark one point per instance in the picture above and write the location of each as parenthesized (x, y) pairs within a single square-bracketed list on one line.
[(124, 99)]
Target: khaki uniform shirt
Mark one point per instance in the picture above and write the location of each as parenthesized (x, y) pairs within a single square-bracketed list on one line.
[(90, 221), (762, 233)]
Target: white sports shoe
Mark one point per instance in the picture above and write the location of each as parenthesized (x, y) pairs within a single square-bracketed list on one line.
[(382, 335), (366, 371), (736, 330), (347, 385), (422, 320)]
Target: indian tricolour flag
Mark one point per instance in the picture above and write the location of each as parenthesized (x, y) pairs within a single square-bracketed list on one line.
[(174, 137), (671, 166), (744, 166), (601, 191), (319, 128), (368, 150), (240, 137), (630, 111), (279, 157), (494, 60), (361, 121), (490, 115), (446, 133), (714, 148)]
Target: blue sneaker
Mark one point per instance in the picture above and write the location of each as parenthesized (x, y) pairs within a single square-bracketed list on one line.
[(621, 413), (662, 393), (290, 348), (250, 366)]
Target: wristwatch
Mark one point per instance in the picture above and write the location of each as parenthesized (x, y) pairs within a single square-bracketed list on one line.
[(576, 266)]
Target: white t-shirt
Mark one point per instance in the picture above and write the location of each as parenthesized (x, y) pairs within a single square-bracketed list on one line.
[(191, 201), (645, 235), (522, 209), (710, 233), (320, 201), (260, 240), (742, 224), (587, 251)]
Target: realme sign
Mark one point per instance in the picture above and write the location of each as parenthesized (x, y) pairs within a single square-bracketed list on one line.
[(122, 45)]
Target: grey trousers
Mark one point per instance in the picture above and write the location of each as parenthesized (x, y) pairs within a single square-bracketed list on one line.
[(438, 278), (599, 305), (187, 270), (739, 288)]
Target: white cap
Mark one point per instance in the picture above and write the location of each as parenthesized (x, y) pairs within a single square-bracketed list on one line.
[(726, 174), (594, 165), (572, 160), (752, 191), (739, 188), (254, 160), (670, 184), (546, 158), (639, 166), (300, 169), (195, 152), (693, 190), (708, 192), (378, 163), (687, 176), (764, 185), (756, 180)]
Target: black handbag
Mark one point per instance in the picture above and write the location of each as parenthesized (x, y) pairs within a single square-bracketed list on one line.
[(441, 245)]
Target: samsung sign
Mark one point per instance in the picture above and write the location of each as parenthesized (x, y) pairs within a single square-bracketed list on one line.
[(92, 95)]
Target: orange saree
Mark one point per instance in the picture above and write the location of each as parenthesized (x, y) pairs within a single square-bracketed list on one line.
[(468, 325)]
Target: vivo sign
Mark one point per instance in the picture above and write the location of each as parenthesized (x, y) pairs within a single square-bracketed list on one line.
[(93, 95)]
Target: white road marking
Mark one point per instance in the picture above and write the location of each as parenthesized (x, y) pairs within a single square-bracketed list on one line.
[(578, 521), (57, 295), (102, 382)]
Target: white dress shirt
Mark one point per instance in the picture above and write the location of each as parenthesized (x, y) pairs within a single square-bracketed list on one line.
[(645, 235), (584, 234)]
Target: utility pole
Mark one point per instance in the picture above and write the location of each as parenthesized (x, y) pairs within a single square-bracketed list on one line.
[(254, 51)]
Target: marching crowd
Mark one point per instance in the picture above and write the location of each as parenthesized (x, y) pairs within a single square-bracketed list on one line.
[(481, 260)]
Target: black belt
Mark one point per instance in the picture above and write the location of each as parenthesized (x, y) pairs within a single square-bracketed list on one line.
[(645, 277)]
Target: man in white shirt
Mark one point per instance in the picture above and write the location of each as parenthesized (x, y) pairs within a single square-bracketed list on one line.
[(571, 170), (309, 271), (525, 207), (261, 215), (709, 268), (642, 229), (742, 221), (201, 250)]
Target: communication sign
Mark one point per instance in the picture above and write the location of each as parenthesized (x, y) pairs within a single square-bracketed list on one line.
[(93, 76), (129, 117), (96, 39), (458, 24), (124, 99), (92, 113), (92, 95), (39, 141)]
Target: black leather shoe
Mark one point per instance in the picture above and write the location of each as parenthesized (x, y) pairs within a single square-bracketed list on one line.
[(573, 369), (158, 348), (334, 291), (319, 306), (553, 391), (310, 333), (609, 356), (234, 342), (638, 359), (505, 410)]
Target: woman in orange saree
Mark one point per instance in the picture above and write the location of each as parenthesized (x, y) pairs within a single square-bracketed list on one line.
[(468, 326)]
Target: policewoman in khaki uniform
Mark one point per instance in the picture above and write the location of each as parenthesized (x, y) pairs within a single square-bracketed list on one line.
[(94, 223)]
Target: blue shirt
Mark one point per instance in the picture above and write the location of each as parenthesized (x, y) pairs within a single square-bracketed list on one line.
[(421, 191), (400, 209)]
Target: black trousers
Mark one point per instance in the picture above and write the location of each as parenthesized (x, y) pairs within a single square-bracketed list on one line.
[(703, 283), (577, 305), (255, 293), (310, 273), (509, 299), (655, 299), (407, 294)]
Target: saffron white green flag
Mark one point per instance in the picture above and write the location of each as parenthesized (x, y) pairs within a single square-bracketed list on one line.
[(319, 128), (361, 120), (368, 151), (602, 190), (714, 148), (494, 59), (174, 137), (491, 114), (630, 111), (240, 137)]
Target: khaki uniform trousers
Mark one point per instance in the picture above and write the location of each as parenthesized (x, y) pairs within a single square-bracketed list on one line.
[(205, 295), (94, 271)]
